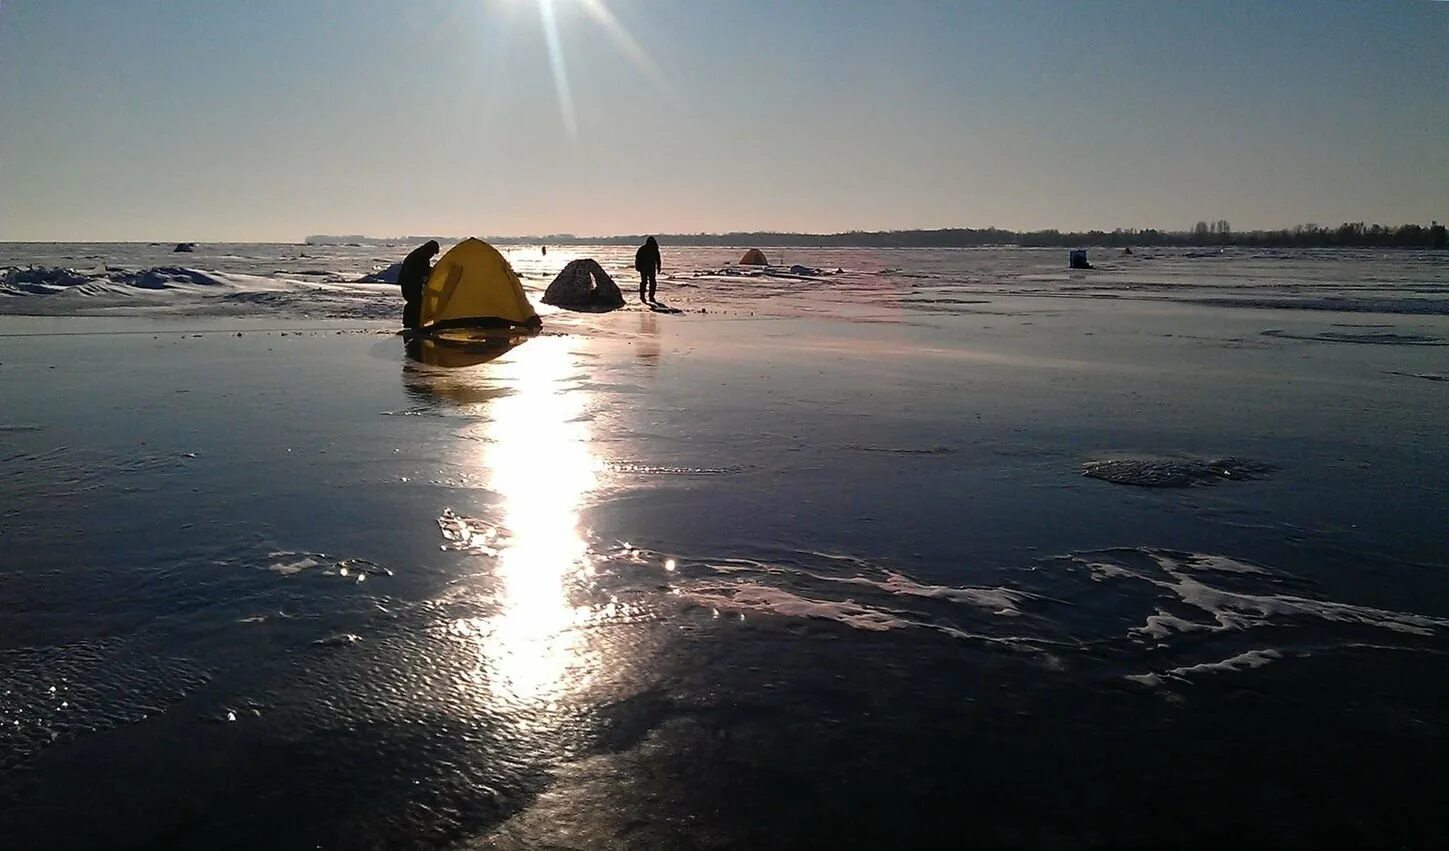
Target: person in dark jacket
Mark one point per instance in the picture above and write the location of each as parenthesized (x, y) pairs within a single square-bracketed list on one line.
[(648, 264), (412, 279)]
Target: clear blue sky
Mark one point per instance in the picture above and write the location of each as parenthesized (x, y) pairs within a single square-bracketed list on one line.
[(273, 119)]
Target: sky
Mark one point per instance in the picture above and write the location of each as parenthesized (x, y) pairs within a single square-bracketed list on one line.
[(275, 119)]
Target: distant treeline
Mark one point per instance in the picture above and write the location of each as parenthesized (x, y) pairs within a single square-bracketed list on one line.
[(1219, 233)]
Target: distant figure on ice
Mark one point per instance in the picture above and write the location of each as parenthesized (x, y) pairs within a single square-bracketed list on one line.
[(413, 277), (544, 249), (1077, 259), (649, 264)]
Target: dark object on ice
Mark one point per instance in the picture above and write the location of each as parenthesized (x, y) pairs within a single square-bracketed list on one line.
[(413, 277), (1150, 472), (544, 250), (1427, 376), (1372, 338), (386, 276), (648, 264), (584, 285), (1077, 259), (184, 247), (1127, 250), (754, 257)]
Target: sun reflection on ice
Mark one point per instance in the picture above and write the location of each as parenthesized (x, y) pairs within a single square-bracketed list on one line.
[(538, 458)]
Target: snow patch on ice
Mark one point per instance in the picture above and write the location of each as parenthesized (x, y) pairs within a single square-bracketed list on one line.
[(1245, 661), (468, 534), (1182, 575), (999, 601)]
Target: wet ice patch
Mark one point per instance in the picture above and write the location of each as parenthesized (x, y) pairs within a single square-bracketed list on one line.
[(54, 694), (63, 472), (1374, 338), (901, 450), (1164, 472)]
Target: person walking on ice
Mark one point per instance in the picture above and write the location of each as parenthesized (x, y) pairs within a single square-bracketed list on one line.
[(649, 265)]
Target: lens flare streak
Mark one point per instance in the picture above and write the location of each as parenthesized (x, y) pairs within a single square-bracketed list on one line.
[(560, 69), (626, 42)]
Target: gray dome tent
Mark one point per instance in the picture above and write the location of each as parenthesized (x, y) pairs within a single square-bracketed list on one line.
[(584, 285)]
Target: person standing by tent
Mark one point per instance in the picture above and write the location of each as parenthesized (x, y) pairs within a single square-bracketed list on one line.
[(413, 277), (648, 263)]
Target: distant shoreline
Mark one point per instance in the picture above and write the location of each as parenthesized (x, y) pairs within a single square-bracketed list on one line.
[(1353, 235), (1215, 235)]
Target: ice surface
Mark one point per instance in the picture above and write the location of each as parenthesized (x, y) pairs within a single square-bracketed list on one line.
[(50, 695), (861, 548), (1159, 472)]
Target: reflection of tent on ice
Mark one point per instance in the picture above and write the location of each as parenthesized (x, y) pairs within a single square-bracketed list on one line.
[(754, 257), (452, 353), (472, 286)]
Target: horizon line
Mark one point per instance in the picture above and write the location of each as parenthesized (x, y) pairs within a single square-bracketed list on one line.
[(561, 237)]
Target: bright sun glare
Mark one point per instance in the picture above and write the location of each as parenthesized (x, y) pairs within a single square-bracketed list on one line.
[(618, 33)]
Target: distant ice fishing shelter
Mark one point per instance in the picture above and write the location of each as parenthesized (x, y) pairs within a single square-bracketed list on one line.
[(1077, 259)]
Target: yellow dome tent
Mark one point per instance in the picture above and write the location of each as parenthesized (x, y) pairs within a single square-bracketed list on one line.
[(472, 286), (754, 257)]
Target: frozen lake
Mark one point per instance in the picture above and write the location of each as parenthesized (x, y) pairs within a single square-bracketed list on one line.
[(866, 547)]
